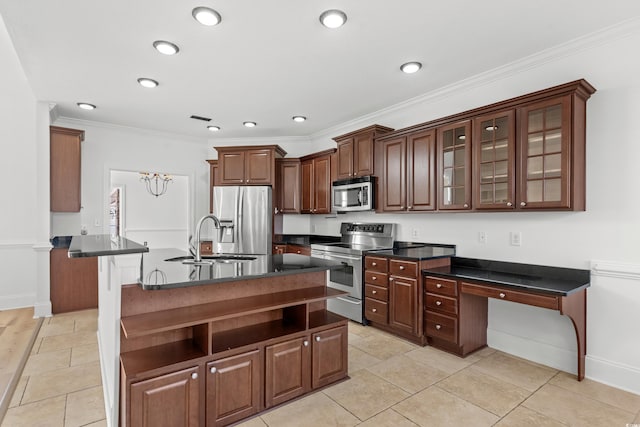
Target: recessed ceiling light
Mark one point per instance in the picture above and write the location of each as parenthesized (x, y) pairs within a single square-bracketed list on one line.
[(213, 128), (410, 67), (250, 124), (333, 18), (206, 16), (165, 47), (86, 106), (148, 83), (299, 119)]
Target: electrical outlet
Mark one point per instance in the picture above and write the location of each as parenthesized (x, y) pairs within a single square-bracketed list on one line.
[(482, 237), (516, 238), (414, 232)]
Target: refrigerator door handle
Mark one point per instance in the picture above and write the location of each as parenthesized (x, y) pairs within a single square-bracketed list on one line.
[(240, 235)]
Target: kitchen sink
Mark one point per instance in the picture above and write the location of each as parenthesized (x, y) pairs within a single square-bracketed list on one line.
[(208, 259)]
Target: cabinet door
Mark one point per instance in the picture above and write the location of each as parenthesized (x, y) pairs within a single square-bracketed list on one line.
[(213, 181), (329, 357), (259, 167), (454, 166), (287, 371), (171, 400), (494, 161), (322, 184), (363, 154), (232, 164), (545, 155), (307, 199), (394, 189), (421, 148), (345, 156), (64, 170), (233, 388), (74, 282), (290, 189), (404, 310)]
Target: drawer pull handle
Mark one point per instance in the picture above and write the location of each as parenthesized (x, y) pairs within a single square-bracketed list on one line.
[(438, 302), (374, 310), (438, 327), (194, 376), (317, 339), (438, 285), (374, 264), (402, 267), (213, 370), (374, 278), (374, 292), (305, 343), (502, 295)]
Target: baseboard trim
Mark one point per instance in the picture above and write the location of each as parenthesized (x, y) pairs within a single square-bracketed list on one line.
[(17, 301), (614, 374)]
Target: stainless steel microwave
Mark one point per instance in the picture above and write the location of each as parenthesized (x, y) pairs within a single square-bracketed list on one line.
[(353, 194)]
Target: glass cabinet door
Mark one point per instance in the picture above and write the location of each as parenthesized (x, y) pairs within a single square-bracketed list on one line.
[(454, 166), (494, 161), (545, 154)]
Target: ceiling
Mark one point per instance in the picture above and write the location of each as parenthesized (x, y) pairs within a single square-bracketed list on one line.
[(270, 60)]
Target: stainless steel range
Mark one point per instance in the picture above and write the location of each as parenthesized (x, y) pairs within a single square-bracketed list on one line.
[(357, 237)]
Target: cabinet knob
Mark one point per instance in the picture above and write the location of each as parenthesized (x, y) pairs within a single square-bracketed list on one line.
[(409, 208), (317, 339), (502, 295), (194, 376), (523, 203), (438, 327), (305, 343), (509, 204), (374, 310), (354, 174), (401, 207), (374, 264), (374, 292), (374, 278), (438, 285), (275, 210), (466, 205), (391, 279), (213, 370), (297, 252), (438, 302), (402, 267)]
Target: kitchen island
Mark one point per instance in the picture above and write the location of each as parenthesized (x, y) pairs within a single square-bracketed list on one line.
[(213, 344)]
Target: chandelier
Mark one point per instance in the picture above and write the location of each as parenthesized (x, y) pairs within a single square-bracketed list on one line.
[(156, 184)]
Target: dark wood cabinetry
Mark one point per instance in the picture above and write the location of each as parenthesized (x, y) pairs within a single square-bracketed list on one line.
[(355, 152), (287, 370), (248, 165), (454, 166), (329, 356), (287, 190), (213, 180), (407, 176), (73, 282), (65, 169), (316, 183), (405, 298)]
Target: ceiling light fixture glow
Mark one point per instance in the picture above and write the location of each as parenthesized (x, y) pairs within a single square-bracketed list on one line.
[(250, 124), (213, 128), (491, 128), (411, 67), (86, 106), (333, 18), (206, 16), (299, 119), (165, 47), (148, 83)]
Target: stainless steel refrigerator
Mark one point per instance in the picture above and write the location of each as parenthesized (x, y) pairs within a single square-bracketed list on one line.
[(245, 219)]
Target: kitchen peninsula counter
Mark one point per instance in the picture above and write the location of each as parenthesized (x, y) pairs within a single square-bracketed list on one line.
[(94, 245)]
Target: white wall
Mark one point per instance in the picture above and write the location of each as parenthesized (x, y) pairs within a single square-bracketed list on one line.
[(609, 230)]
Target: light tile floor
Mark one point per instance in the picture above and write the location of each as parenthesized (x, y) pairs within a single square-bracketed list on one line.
[(393, 383)]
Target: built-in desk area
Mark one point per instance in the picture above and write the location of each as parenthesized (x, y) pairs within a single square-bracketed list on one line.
[(455, 300)]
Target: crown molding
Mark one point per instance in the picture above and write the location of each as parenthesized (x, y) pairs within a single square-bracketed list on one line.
[(563, 50), (270, 140)]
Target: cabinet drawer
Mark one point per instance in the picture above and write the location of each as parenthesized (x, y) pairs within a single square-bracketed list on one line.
[(441, 303), (544, 301), (437, 285), (376, 278), (440, 326), (298, 249), (403, 268), (376, 292), (206, 248), (375, 310), (375, 263)]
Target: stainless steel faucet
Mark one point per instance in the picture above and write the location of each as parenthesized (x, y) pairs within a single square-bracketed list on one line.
[(198, 229)]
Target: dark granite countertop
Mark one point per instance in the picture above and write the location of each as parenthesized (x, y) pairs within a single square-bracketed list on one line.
[(61, 242), (157, 273), (303, 239), (93, 245), (417, 251), (549, 280)]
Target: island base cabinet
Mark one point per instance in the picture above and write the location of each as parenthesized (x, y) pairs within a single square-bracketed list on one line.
[(329, 356), (171, 400), (233, 388), (287, 370)]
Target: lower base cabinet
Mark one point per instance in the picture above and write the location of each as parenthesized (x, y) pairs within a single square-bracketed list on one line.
[(233, 388), (171, 400), (287, 367), (330, 357)]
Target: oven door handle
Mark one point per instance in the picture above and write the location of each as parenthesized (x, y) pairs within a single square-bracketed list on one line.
[(350, 258), (350, 301)]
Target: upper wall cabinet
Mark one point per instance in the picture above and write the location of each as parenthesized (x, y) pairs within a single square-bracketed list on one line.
[(454, 166), (316, 183), (355, 153), (287, 189), (248, 165), (65, 168), (213, 181)]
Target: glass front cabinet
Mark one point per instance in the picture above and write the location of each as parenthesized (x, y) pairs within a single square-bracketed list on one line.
[(454, 177)]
